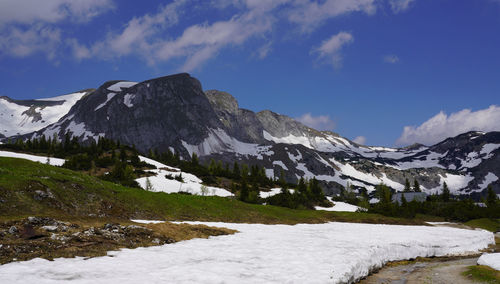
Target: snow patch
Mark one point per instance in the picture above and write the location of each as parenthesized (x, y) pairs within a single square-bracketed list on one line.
[(488, 179), (281, 164), (109, 97), (121, 85), (127, 100), (490, 259), (40, 159)]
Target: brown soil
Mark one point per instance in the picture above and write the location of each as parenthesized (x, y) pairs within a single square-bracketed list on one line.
[(49, 238)]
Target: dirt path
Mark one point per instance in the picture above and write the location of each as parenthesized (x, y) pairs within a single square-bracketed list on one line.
[(435, 272)]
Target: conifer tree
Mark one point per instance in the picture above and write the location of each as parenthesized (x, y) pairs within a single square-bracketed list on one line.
[(491, 198), (446, 193), (407, 186), (416, 186)]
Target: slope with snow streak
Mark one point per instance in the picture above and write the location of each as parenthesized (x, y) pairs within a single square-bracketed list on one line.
[(15, 117), (329, 253)]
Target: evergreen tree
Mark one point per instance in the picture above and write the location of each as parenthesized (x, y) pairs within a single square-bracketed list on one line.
[(236, 171), (416, 186), (491, 198), (244, 190), (407, 186), (302, 187), (446, 193), (194, 160)]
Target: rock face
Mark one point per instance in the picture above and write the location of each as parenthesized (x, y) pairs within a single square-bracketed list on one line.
[(174, 113)]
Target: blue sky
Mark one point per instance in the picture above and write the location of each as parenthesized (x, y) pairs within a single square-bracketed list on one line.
[(365, 69)]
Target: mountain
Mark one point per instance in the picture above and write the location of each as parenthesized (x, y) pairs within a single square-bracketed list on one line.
[(174, 113)]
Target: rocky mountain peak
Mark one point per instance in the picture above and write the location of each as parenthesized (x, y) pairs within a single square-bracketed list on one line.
[(222, 101)]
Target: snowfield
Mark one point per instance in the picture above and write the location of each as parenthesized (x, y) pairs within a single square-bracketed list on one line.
[(490, 259), (304, 253), (40, 159)]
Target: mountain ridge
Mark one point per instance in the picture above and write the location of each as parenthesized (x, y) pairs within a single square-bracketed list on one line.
[(173, 113)]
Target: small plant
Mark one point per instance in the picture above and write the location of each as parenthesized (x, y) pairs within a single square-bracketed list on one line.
[(179, 178), (204, 190), (149, 185)]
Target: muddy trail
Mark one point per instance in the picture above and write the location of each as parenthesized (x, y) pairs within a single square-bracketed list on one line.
[(437, 271)]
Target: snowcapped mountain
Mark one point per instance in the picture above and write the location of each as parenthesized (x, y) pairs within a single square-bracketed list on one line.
[(174, 113), (24, 116)]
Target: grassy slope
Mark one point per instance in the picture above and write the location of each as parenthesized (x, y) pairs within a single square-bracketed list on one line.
[(481, 273), (75, 194), (492, 225)]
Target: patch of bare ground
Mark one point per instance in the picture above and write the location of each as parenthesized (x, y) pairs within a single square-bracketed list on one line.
[(49, 238)]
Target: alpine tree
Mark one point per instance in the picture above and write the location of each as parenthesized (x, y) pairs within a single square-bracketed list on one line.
[(416, 186), (445, 196), (491, 198), (407, 186)]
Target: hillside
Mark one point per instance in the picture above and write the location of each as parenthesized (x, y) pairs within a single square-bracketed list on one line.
[(31, 188)]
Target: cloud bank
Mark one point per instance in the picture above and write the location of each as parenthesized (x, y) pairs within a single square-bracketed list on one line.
[(321, 122), (361, 140), (442, 126)]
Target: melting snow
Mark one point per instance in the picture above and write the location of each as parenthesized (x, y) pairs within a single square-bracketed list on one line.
[(488, 148), (146, 221), (219, 141), (109, 97), (127, 100), (489, 178), (490, 259), (340, 207), (41, 159), (191, 183), (303, 253), (118, 86), (281, 164)]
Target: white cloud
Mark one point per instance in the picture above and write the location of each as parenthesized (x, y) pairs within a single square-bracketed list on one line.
[(321, 122), (19, 42), (28, 26), (264, 50), (361, 140), (51, 11), (311, 14), (442, 126), (399, 6), (391, 59), (330, 48)]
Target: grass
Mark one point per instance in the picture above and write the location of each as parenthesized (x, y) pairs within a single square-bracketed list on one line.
[(28, 188), (482, 273), (492, 225)]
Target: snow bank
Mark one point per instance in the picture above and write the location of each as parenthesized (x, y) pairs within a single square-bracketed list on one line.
[(41, 159), (304, 253), (340, 207), (191, 183), (490, 259), (147, 221)]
